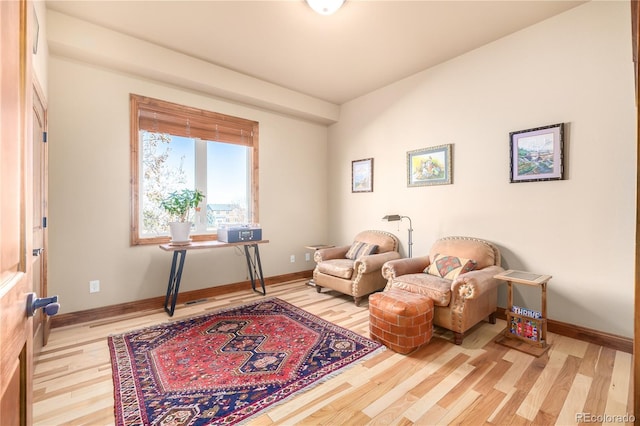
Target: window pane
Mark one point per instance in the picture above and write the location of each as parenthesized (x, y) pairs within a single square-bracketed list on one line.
[(168, 164), (228, 183)]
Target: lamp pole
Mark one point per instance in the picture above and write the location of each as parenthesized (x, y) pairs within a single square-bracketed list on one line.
[(410, 233)]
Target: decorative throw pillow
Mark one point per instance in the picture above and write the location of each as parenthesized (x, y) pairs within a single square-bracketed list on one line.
[(359, 249), (450, 266)]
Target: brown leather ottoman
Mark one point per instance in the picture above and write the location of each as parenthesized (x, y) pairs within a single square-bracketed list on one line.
[(400, 320)]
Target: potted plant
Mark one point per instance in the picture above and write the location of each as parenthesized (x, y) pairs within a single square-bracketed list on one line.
[(179, 205)]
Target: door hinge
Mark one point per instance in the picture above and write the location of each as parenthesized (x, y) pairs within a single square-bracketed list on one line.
[(44, 137), (44, 222)]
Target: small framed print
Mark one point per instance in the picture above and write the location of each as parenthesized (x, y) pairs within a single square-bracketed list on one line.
[(537, 154), (429, 166), (362, 175)]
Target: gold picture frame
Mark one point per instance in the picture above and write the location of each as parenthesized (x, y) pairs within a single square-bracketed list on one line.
[(429, 166)]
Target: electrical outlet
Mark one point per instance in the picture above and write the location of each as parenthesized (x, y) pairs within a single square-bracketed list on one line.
[(94, 286), (307, 256), (293, 258)]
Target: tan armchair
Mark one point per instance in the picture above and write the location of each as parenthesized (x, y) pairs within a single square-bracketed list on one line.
[(359, 275), (460, 301)]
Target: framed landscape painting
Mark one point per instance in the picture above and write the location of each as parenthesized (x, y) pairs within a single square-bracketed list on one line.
[(537, 154), (362, 175), (429, 166)]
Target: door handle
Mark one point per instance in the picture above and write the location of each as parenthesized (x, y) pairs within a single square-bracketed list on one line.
[(49, 304), (38, 251)]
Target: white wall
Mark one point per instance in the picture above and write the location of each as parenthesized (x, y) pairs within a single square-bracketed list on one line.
[(90, 192), (574, 68)]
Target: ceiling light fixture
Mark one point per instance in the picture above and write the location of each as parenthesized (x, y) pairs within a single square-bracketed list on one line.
[(325, 7)]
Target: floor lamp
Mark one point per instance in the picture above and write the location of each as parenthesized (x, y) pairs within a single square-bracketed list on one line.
[(397, 217)]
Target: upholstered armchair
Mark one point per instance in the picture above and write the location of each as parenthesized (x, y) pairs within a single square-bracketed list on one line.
[(458, 276), (356, 269)]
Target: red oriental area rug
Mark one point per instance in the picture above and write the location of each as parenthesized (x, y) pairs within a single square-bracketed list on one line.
[(223, 368)]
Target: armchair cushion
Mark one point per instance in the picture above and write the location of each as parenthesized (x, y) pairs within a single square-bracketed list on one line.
[(436, 288), (342, 268), (450, 267), (359, 248)]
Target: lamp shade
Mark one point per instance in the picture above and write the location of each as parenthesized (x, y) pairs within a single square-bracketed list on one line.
[(392, 217), (325, 7)]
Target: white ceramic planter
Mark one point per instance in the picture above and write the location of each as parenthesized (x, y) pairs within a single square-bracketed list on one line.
[(180, 232)]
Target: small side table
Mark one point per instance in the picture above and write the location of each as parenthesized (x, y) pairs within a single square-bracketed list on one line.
[(316, 247), (526, 330)]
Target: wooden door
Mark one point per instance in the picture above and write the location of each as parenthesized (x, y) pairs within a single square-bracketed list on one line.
[(635, 43), (16, 338), (41, 326)]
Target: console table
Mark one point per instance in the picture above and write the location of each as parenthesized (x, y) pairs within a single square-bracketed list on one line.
[(251, 253)]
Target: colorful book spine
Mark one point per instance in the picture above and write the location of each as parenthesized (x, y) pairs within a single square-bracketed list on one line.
[(524, 327)]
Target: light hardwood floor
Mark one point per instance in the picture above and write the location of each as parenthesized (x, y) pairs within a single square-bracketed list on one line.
[(478, 382)]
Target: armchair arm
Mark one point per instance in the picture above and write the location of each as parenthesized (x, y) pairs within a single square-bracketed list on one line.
[(473, 284), (374, 262), (330, 253), (395, 268)]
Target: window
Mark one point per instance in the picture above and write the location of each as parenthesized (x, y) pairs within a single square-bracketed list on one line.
[(174, 147)]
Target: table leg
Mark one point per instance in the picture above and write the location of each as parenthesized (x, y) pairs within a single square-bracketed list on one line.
[(174, 280), (255, 267), (544, 312)]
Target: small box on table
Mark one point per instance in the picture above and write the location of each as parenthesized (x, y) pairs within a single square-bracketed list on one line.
[(239, 233)]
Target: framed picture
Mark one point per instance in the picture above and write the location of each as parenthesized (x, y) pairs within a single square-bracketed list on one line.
[(362, 175), (429, 166), (536, 154)]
